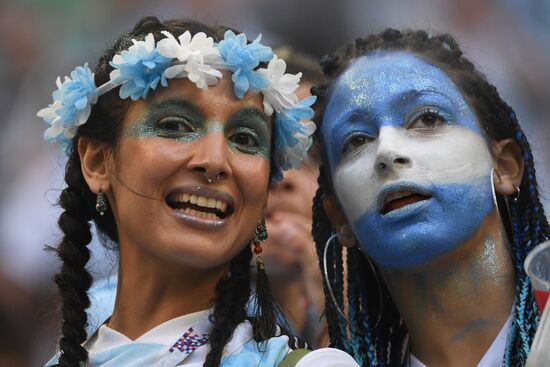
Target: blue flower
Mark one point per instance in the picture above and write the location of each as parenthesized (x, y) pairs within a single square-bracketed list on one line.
[(293, 135), (71, 107), (140, 68), (241, 59)]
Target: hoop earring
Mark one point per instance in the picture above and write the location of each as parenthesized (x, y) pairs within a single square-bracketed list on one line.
[(379, 287), (327, 281), (259, 236), (101, 203), (493, 191)]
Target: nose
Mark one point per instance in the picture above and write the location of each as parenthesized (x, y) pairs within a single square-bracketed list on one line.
[(391, 154), (210, 159)]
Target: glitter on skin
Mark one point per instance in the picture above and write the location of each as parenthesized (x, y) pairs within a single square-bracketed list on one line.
[(490, 262), (380, 98), (186, 124)]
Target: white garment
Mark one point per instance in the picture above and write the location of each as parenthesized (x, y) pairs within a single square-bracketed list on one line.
[(163, 334), (111, 348), (494, 355)]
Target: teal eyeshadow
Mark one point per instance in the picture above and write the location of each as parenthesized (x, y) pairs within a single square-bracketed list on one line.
[(147, 124), (253, 122), (248, 121)]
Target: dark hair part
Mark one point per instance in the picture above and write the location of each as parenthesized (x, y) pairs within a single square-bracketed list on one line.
[(377, 337), (78, 202)]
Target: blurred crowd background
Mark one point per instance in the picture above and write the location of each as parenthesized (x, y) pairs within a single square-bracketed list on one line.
[(508, 40)]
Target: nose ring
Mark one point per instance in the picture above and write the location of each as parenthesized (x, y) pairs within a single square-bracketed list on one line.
[(211, 179)]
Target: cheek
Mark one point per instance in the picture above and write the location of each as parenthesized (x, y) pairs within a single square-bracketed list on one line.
[(456, 156), (251, 173), (144, 164), (354, 183)]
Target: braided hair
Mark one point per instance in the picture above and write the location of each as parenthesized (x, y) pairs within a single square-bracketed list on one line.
[(376, 334), (78, 203)]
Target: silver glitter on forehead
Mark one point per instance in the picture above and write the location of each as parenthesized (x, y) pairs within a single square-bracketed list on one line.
[(366, 91)]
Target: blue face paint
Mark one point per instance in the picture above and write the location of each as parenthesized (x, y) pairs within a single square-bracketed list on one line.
[(387, 89), (432, 228), (395, 128)]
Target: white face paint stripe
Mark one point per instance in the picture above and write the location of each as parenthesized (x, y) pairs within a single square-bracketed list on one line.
[(448, 154)]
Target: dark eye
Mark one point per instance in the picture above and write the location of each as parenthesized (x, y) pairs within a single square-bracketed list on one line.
[(355, 142), (174, 124), (426, 119), (244, 139)]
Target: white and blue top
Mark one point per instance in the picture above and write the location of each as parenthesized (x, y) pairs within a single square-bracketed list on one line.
[(183, 341)]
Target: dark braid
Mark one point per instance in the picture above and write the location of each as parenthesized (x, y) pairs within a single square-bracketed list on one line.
[(103, 126), (232, 295), (528, 225), (73, 280)]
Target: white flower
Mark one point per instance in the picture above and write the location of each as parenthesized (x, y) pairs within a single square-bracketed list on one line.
[(196, 58), (280, 92)]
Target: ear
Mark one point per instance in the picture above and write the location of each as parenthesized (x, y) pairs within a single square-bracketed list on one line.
[(94, 158), (338, 219), (510, 166)]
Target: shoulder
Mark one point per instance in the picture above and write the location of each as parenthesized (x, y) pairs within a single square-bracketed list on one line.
[(325, 357), (279, 351), (243, 351)]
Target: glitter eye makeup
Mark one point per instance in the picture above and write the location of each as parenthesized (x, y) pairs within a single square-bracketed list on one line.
[(408, 161), (249, 132), (172, 119)]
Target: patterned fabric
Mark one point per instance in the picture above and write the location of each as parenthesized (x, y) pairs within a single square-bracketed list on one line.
[(189, 342)]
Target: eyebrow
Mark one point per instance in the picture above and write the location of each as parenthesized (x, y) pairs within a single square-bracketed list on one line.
[(247, 112), (413, 94), (176, 103)]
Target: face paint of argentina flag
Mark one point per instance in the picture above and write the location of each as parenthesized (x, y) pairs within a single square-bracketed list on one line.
[(409, 164)]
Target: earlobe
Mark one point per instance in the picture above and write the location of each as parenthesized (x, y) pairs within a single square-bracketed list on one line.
[(509, 166), (94, 159), (338, 219)]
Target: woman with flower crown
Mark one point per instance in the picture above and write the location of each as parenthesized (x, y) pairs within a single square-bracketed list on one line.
[(173, 141)]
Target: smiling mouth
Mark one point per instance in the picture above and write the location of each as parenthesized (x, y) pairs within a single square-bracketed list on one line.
[(199, 206), (399, 199)]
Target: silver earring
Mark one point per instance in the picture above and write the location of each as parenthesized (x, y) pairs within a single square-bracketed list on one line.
[(493, 172), (100, 203), (518, 191), (327, 281), (210, 179), (325, 272)]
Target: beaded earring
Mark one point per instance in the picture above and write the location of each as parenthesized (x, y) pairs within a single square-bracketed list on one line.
[(101, 203), (259, 237)]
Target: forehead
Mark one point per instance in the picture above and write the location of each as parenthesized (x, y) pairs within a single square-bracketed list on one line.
[(374, 79)]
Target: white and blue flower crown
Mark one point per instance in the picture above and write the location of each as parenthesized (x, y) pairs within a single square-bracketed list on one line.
[(147, 63)]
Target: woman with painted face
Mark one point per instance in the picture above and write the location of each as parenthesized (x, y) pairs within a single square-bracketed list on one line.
[(172, 143), (428, 180)]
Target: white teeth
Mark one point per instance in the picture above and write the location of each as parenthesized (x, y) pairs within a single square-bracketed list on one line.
[(201, 201), (198, 214)]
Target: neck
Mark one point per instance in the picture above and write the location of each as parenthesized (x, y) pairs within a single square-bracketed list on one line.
[(455, 306), (159, 292)]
